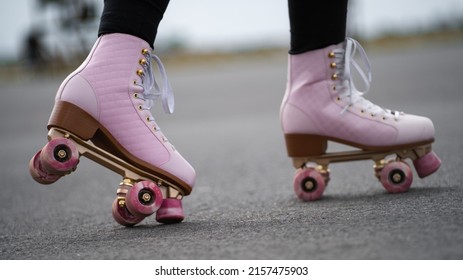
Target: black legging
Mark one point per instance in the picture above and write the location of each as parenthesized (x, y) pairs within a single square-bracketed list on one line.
[(313, 24)]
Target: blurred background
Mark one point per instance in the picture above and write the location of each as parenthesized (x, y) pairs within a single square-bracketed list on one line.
[(50, 36), (227, 62)]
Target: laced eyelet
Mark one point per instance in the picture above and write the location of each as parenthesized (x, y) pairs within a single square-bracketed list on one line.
[(331, 55), (142, 61), (333, 64), (334, 76), (145, 51), (140, 72)]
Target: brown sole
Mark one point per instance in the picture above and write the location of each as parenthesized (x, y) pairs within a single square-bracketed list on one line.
[(303, 148)]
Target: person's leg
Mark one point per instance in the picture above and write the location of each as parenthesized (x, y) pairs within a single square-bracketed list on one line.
[(139, 18), (322, 102), (108, 99), (316, 24)]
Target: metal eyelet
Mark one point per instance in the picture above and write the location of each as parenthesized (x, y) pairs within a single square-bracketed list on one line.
[(145, 51), (338, 98), (140, 72), (362, 111), (142, 61), (140, 107), (334, 76), (148, 119), (333, 64), (331, 55), (333, 88), (135, 95)]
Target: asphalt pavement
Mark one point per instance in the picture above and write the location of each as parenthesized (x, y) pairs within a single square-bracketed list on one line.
[(243, 205)]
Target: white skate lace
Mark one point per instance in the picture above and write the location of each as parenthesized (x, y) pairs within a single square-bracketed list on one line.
[(345, 63), (149, 81)]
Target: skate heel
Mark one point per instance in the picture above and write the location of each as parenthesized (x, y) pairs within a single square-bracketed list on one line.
[(71, 118), (304, 145)]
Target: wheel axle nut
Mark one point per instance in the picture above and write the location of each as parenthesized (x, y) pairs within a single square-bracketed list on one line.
[(146, 197), (62, 154), (397, 178), (309, 185)]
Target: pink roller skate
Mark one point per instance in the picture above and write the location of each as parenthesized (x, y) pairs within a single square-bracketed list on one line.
[(102, 111), (322, 104)]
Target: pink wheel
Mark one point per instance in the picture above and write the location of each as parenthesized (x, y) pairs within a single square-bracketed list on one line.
[(144, 198), (309, 184), (171, 211), (123, 216), (37, 172), (59, 156), (396, 177), (427, 164)]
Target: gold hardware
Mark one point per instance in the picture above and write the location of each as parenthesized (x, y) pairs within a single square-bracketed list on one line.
[(121, 203), (145, 51), (309, 185), (333, 64), (122, 190), (142, 61), (127, 182), (146, 197), (140, 72), (397, 178), (62, 154), (140, 107), (334, 76), (331, 55)]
